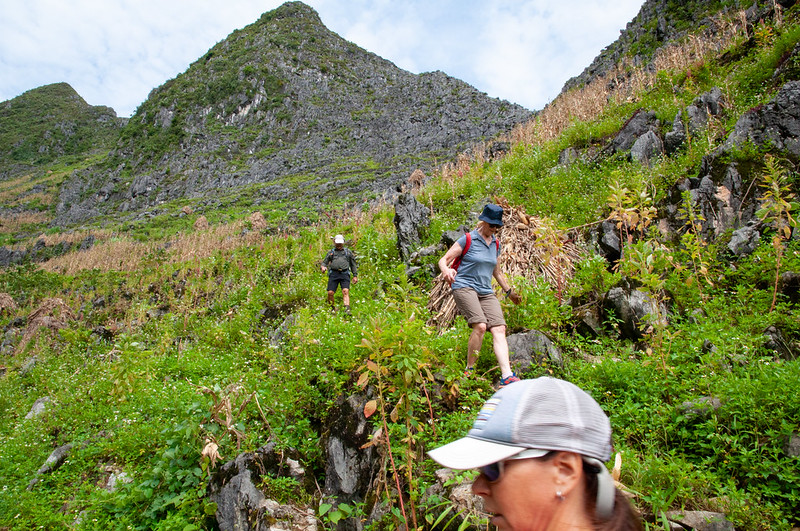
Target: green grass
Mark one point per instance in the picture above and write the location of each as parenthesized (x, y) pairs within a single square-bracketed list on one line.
[(143, 402)]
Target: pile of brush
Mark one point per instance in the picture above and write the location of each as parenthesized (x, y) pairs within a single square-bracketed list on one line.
[(531, 249)]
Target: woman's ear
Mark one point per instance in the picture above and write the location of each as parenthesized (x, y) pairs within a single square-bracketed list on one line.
[(568, 468)]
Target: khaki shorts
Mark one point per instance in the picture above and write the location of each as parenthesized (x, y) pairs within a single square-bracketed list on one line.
[(479, 308)]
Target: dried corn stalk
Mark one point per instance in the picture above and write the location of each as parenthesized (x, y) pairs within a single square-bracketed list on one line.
[(532, 248)]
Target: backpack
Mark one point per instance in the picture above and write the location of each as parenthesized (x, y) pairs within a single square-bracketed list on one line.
[(457, 261), (346, 256)]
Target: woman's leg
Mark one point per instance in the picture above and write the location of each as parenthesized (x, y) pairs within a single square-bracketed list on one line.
[(500, 345), (474, 343)]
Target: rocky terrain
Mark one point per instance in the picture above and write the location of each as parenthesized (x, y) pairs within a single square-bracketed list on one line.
[(661, 22)]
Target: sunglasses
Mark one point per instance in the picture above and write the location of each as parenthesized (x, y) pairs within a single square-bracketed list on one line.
[(494, 471), (492, 225)]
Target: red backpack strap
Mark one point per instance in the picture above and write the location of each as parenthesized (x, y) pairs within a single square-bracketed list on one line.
[(457, 261)]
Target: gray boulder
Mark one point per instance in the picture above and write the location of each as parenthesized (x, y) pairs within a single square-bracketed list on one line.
[(451, 236), (719, 204), (38, 407), (639, 124), (241, 506), (775, 125), (789, 286), (608, 241), (411, 220), (698, 113), (10, 341), (701, 520), (697, 116), (702, 407), (744, 241), (633, 308), (792, 446), (674, 139), (53, 463), (647, 148), (568, 156), (776, 342), (532, 349), (350, 468), (459, 492)]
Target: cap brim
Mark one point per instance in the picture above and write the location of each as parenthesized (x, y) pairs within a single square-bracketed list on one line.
[(470, 452)]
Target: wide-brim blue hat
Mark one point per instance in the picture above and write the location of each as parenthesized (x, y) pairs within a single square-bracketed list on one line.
[(492, 214)]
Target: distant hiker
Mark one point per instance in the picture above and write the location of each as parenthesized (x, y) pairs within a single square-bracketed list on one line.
[(474, 255), (340, 263)]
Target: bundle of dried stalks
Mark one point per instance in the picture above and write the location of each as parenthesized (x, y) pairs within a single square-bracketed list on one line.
[(53, 314), (531, 248), (7, 304)]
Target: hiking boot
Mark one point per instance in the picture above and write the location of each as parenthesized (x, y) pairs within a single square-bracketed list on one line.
[(347, 310), (507, 381), (468, 372), (333, 310)]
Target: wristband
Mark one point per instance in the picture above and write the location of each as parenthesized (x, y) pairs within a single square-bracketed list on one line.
[(508, 291)]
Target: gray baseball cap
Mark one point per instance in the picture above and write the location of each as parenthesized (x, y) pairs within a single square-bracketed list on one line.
[(545, 414)]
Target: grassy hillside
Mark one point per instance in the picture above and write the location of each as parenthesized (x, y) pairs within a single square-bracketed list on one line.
[(52, 122), (148, 350)]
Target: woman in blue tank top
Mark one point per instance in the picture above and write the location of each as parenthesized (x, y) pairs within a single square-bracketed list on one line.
[(469, 266)]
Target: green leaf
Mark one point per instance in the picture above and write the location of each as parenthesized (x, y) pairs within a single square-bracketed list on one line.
[(346, 509), (324, 508), (210, 508)]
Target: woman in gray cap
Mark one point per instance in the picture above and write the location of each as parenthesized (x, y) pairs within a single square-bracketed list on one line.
[(540, 446), (469, 266)]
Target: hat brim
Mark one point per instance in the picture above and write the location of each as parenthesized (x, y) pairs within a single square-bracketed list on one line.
[(490, 221), (469, 452)]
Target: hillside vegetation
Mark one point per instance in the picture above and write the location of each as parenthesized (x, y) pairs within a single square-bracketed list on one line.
[(49, 123), (170, 347)]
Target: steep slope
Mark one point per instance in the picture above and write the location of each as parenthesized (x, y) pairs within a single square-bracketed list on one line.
[(48, 122), (138, 383), (660, 22), (288, 110)]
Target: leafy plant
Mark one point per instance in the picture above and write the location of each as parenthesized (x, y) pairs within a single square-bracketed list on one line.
[(777, 208)]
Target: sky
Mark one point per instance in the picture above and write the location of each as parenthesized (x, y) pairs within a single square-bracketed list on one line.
[(114, 52)]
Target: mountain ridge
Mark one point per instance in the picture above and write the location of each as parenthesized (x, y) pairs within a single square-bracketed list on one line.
[(285, 110)]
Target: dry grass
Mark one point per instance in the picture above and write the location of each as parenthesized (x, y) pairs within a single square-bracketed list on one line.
[(7, 304), (41, 197), (11, 189), (16, 222), (115, 253), (620, 85), (624, 82), (52, 314)]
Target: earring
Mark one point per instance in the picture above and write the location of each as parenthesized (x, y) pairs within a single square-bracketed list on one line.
[(559, 496)]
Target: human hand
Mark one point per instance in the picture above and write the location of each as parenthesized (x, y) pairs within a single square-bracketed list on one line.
[(324, 269), (515, 297), (449, 274), (355, 280)]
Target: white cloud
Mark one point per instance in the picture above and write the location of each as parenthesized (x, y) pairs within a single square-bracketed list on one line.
[(115, 53)]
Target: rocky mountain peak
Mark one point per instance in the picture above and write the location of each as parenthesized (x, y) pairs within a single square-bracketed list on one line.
[(285, 111)]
